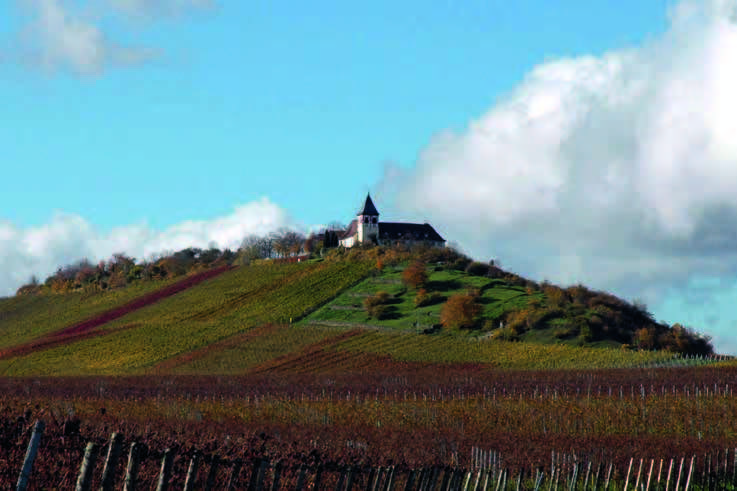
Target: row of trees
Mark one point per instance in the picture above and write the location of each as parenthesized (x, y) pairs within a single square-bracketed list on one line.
[(121, 270)]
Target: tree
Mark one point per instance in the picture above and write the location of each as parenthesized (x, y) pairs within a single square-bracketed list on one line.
[(415, 275), (460, 311)]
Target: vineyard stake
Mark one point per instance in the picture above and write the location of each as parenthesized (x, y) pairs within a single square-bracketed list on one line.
[(194, 462), (588, 472), (477, 481), (378, 476), (212, 473), (410, 480), (352, 474), (690, 470), (370, 478), (131, 470), (84, 479), (389, 480), (680, 469), (235, 473), (165, 472), (670, 469), (660, 470), (111, 462), (277, 476), (650, 474), (447, 475), (639, 471), (318, 477), (301, 478), (25, 472), (608, 476), (629, 469)]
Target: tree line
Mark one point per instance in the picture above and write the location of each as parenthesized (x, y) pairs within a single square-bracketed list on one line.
[(121, 269)]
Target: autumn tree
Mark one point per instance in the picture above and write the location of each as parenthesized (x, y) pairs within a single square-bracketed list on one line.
[(460, 311), (415, 275)]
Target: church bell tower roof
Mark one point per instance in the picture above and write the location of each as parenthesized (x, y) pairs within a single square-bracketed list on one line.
[(368, 207)]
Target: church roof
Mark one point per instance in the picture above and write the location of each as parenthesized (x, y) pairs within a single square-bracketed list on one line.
[(408, 231), (351, 230), (368, 207)]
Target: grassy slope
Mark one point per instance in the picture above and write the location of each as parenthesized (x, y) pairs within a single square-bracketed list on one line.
[(227, 305), (496, 297), (210, 328), (28, 317)]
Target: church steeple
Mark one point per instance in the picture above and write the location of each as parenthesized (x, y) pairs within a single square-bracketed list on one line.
[(368, 222), (368, 208)]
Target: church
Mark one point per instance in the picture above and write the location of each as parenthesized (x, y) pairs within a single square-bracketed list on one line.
[(366, 228)]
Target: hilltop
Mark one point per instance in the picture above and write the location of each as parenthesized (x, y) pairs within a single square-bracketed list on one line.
[(332, 310)]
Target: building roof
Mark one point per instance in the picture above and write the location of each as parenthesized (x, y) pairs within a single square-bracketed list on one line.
[(368, 207), (351, 230), (408, 231)]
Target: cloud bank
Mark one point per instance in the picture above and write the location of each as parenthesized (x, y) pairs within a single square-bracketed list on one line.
[(619, 171), (61, 35), (67, 238)]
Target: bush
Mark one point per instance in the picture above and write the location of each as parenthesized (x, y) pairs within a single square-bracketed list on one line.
[(460, 311), (422, 298), (381, 298), (477, 269), (415, 275)]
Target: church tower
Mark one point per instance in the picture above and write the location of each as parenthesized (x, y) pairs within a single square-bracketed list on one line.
[(368, 222)]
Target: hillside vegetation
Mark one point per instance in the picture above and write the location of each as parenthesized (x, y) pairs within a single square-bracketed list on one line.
[(333, 313)]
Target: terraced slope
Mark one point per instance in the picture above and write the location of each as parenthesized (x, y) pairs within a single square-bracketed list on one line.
[(85, 329), (213, 311)]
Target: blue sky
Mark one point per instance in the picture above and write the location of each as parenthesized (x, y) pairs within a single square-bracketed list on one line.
[(564, 138)]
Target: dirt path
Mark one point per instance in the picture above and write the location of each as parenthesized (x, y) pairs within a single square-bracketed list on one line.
[(85, 328)]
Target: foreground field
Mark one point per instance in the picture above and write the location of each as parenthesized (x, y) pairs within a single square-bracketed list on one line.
[(410, 415)]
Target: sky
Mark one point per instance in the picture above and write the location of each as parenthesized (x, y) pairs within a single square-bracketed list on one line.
[(576, 142)]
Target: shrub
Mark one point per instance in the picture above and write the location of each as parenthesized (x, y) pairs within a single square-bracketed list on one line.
[(381, 298), (415, 275), (476, 268), (460, 311), (422, 298)]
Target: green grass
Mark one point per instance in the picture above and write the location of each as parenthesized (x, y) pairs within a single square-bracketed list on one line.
[(497, 297), (27, 317), (212, 311)]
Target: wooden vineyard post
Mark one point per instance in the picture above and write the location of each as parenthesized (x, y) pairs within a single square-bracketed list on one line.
[(670, 469), (111, 462), (627, 480), (410, 481), (194, 463), (25, 472), (318, 477), (277, 476), (257, 475), (389, 484), (131, 470), (84, 479), (301, 478), (165, 473), (235, 473), (639, 472), (690, 470), (680, 469), (608, 476), (212, 473), (650, 474)]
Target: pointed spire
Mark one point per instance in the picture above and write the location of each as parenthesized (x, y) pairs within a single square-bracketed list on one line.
[(368, 207)]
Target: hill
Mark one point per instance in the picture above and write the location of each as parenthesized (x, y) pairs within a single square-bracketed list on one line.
[(349, 310)]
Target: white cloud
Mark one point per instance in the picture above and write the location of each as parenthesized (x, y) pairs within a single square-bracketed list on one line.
[(61, 35), (67, 238), (619, 171)]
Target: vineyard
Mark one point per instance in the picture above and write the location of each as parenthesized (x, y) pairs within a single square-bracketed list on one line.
[(286, 375), (410, 419)]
